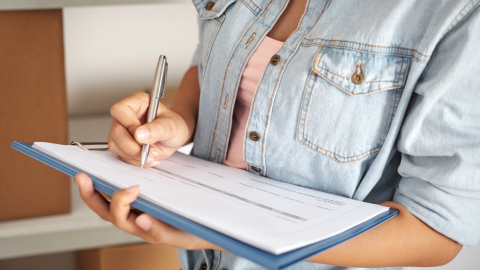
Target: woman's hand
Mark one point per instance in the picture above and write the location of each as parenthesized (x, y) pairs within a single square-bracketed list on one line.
[(144, 226), (171, 129), (165, 134)]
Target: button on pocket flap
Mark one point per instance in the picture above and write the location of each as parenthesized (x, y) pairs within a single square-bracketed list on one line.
[(359, 73), (210, 9)]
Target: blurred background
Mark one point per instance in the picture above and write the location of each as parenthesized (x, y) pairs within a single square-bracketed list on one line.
[(66, 62)]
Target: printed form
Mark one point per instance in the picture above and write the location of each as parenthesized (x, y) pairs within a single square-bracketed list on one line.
[(271, 215)]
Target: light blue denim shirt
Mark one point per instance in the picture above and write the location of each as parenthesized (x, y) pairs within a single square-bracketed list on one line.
[(370, 100)]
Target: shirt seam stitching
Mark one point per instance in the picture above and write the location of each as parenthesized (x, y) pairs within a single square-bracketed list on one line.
[(223, 85), (370, 45), (249, 7), (454, 25), (337, 46)]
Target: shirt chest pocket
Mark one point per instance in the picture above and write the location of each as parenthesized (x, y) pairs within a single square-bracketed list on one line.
[(349, 102)]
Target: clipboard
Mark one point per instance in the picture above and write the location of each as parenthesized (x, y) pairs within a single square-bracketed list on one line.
[(256, 255)]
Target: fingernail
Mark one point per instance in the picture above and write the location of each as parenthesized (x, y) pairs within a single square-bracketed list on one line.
[(143, 133), (144, 223), (154, 152), (132, 189), (149, 160), (155, 163)]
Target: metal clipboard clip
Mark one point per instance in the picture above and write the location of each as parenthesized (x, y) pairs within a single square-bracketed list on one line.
[(84, 147)]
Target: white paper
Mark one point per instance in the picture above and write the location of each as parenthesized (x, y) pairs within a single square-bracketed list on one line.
[(271, 215)]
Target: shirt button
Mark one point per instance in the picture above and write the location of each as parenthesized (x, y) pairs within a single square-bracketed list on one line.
[(275, 60), (254, 136), (255, 169), (204, 266), (357, 78), (209, 6)]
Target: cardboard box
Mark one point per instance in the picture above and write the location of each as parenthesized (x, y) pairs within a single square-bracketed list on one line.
[(129, 257), (34, 108)]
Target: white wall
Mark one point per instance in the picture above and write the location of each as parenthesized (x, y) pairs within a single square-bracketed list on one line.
[(111, 51)]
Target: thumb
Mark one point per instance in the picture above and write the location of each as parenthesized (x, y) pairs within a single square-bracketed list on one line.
[(160, 130)]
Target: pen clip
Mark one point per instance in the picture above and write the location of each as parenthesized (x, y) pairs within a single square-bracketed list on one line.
[(164, 79)]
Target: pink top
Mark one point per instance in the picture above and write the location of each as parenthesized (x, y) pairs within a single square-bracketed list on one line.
[(248, 84)]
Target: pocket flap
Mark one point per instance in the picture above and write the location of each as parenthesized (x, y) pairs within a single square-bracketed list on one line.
[(210, 9), (378, 72)]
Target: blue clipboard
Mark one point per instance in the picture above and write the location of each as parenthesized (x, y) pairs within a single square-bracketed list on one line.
[(256, 255)]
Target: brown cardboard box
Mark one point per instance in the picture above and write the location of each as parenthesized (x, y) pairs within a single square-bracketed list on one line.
[(33, 108), (129, 257)]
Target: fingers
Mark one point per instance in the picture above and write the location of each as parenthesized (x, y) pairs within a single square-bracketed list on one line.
[(169, 130), (152, 160), (157, 231), (145, 226), (161, 134), (120, 213), (160, 232), (160, 129), (127, 146), (124, 145), (130, 110), (93, 199)]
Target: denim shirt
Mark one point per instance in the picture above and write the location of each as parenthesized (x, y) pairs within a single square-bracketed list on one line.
[(370, 100)]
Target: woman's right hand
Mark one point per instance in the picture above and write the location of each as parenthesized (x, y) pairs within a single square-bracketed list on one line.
[(168, 132)]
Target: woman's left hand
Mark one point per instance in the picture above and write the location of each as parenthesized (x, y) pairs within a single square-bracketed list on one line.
[(119, 213)]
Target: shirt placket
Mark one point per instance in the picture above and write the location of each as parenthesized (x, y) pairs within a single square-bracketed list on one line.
[(264, 97), (244, 49)]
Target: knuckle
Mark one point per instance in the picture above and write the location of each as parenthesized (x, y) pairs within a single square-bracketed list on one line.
[(116, 221), (112, 146), (151, 240), (104, 217), (131, 151), (116, 109), (140, 95), (83, 196), (115, 131), (158, 237), (137, 94)]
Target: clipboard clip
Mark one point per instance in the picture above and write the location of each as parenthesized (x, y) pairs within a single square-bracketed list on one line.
[(84, 147)]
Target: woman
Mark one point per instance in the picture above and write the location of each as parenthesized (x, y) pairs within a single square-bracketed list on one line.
[(371, 100)]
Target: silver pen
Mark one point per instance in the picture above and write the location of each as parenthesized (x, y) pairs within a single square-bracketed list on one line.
[(158, 91)]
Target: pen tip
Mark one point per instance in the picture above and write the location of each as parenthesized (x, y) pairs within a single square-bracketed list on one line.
[(142, 166)]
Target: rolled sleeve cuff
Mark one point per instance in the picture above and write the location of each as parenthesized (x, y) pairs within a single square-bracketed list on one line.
[(451, 212)]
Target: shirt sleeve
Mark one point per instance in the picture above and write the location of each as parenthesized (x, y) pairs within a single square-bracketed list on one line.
[(440, 138)]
